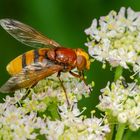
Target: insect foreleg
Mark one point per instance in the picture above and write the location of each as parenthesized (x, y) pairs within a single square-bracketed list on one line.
[(80, 76)]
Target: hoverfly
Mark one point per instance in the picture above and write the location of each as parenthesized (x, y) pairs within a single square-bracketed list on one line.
[(48, 58)]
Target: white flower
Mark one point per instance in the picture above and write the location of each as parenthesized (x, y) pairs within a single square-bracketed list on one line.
[(122, 117), (122, 102), (115, 38)]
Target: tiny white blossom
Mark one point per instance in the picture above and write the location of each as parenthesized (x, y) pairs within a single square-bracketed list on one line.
[(122, 117)]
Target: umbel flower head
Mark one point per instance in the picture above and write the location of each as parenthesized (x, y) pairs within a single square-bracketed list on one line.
[(115, 38), (121, 102), (45, 113), (17, 123), (72, 126)]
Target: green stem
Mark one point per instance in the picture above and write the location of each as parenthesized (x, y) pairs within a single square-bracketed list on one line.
[(111, 126), (118, 73), (120, 132)]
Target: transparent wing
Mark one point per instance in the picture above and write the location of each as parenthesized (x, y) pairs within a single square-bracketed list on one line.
[(26, 34), (28, 78)]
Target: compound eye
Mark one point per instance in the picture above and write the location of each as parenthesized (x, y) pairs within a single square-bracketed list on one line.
[(81, 63)]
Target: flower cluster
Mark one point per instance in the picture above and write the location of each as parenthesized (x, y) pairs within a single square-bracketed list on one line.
[(122, 102), (44, 113), (16, 124), (72, 126), (115, 38)]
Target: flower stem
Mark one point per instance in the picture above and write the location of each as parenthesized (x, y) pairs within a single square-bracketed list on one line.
[(109, 136), (118, 73), (120, 131)]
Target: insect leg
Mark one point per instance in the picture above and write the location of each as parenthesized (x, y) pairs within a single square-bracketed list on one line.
[(28, 92), (80, 76), (124, 83), (75, 74), (81, 73), (63, 88), (26, 95)]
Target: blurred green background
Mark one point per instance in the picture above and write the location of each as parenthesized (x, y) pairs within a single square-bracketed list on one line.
[(65, 22)]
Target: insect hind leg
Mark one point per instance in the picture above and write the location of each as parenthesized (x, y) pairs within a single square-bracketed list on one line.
[(61, 82)]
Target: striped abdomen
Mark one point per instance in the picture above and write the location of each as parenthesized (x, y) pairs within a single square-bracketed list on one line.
[(30, 57)]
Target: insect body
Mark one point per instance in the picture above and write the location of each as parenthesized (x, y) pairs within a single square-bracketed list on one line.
[(48, 58)]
